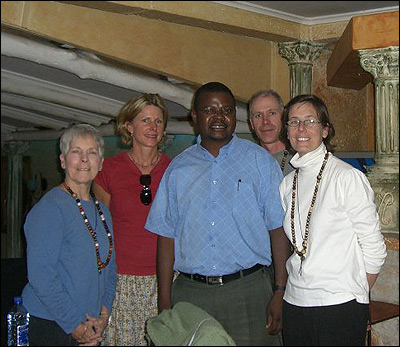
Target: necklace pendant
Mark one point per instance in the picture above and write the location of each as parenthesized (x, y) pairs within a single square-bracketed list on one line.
[(302, 258)]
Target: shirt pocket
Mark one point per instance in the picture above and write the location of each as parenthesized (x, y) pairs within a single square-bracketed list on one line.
[(244, 197)]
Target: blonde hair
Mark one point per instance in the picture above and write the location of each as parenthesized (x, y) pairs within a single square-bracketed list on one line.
[(133, 107)]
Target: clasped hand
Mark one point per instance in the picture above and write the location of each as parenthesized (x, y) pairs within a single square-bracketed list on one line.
[(89, 333)]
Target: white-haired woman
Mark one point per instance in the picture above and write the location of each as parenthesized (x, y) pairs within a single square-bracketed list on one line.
[(70, 252)]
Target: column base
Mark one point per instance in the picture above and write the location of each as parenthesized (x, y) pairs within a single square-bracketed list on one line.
[(385, 184)]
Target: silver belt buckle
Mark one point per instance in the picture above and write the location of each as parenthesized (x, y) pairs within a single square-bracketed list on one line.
[(214, 280)]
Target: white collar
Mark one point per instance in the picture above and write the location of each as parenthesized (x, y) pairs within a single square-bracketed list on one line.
[(307, 160)]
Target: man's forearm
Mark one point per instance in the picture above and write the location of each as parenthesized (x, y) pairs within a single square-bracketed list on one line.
[(280, 247), (165, 272)]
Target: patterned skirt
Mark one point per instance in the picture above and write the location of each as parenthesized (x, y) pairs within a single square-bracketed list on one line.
[(135, 302)]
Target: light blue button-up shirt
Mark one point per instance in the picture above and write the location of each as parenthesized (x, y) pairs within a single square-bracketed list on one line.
[(219, 210)]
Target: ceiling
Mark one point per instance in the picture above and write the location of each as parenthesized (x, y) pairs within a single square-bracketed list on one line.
[(315, 12), (50, 86)]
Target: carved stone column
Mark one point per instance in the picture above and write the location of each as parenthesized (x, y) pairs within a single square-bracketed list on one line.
[(14, 198), (383, 64), (300, 55)]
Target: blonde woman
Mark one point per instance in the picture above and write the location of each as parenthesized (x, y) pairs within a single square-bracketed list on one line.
[(127, 185)]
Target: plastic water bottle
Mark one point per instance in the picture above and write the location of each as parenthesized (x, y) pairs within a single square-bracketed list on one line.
[(18, 324)]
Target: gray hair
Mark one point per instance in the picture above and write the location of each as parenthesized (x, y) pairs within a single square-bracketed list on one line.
[(78, 130), (264, 93)]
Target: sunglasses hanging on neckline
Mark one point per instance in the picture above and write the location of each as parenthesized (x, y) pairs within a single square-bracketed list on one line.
[(145, 195)]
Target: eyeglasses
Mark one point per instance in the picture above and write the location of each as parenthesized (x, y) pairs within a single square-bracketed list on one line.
[(212, 110), (145, 195), (308, 123)]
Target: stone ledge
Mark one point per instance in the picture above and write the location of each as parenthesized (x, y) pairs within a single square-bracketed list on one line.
[(392, 243)]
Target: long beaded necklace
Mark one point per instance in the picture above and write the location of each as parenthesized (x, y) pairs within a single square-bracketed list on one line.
[(283, 162), (154, 162), (100, 264), (302, 253)]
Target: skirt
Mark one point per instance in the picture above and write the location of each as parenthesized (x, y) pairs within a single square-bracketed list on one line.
[(135, 302)]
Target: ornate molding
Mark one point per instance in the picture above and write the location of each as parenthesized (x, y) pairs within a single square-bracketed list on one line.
[(387, 203), (384, 202)]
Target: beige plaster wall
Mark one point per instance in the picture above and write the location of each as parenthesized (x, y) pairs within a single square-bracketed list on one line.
[(351, 111)]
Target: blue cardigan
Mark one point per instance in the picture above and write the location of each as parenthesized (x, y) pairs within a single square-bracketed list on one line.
[(64, 282)]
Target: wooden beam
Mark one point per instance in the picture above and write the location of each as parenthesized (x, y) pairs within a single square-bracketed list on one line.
[(364, 32)]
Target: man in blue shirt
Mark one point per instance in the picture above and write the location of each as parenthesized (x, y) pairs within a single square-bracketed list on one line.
[(217, 214)]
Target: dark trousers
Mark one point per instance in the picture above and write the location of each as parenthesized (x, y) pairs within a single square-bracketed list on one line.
[(334, 325), (43, 332), (240, 306)]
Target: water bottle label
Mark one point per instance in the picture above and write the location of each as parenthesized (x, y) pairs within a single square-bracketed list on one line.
[(22, 335)]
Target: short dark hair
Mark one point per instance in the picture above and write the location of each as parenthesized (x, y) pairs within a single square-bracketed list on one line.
[(323, 117), (216, 87)]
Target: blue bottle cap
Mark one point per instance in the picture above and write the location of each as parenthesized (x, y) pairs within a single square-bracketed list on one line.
[(17, 300)]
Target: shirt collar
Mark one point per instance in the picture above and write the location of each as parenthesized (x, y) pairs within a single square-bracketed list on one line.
[(223, 152)]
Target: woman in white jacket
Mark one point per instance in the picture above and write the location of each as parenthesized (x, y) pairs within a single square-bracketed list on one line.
[(332, 223)]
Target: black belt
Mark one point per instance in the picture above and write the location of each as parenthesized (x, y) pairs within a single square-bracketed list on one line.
[(222, 279)]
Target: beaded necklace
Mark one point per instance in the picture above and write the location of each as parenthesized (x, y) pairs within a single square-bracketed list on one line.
[(100, 264), (302, 253), (283, 162)]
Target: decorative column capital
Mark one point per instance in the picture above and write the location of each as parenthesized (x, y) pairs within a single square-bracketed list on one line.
[(300, 55), (381, 62), (15, 147), (300, 52)]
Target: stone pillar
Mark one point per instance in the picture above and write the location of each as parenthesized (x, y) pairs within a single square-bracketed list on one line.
[(300, 55), (383, 64), (14, 150)]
